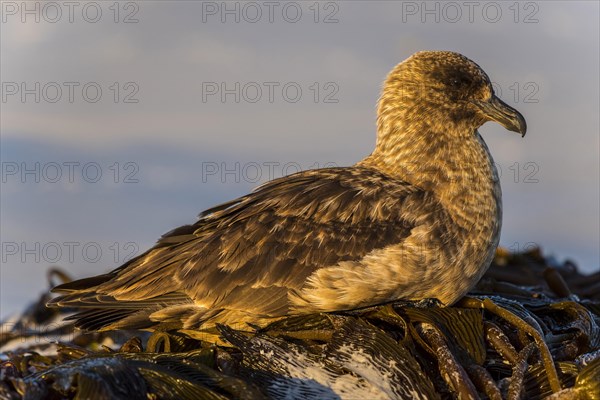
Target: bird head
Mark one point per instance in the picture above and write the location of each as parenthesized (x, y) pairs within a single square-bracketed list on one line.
[(442, 89)]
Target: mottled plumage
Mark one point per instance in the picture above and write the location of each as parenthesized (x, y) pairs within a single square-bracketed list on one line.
[(418, 218)]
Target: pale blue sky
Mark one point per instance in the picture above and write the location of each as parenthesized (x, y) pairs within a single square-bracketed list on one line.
[(178, 138)]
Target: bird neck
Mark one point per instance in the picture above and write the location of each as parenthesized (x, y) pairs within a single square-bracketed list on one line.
[(426, 147), (457, 168)]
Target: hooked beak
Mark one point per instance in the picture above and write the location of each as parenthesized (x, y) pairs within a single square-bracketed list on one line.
[(497, 110)]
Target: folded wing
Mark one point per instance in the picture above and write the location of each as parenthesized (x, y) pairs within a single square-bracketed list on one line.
[(243, 260)]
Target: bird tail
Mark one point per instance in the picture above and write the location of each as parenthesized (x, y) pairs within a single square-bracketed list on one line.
[(101, 312)]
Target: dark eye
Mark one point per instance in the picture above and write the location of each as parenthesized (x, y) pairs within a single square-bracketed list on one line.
[(460, 81)]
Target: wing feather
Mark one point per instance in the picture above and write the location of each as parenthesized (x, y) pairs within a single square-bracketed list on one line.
[(249, 254)]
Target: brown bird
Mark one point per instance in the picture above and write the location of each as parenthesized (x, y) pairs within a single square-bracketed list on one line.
[(418, 218)]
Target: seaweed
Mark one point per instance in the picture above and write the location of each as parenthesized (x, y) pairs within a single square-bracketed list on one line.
[(529, 330)]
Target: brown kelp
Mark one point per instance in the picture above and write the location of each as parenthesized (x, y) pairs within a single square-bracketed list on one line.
[(529, 330)]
